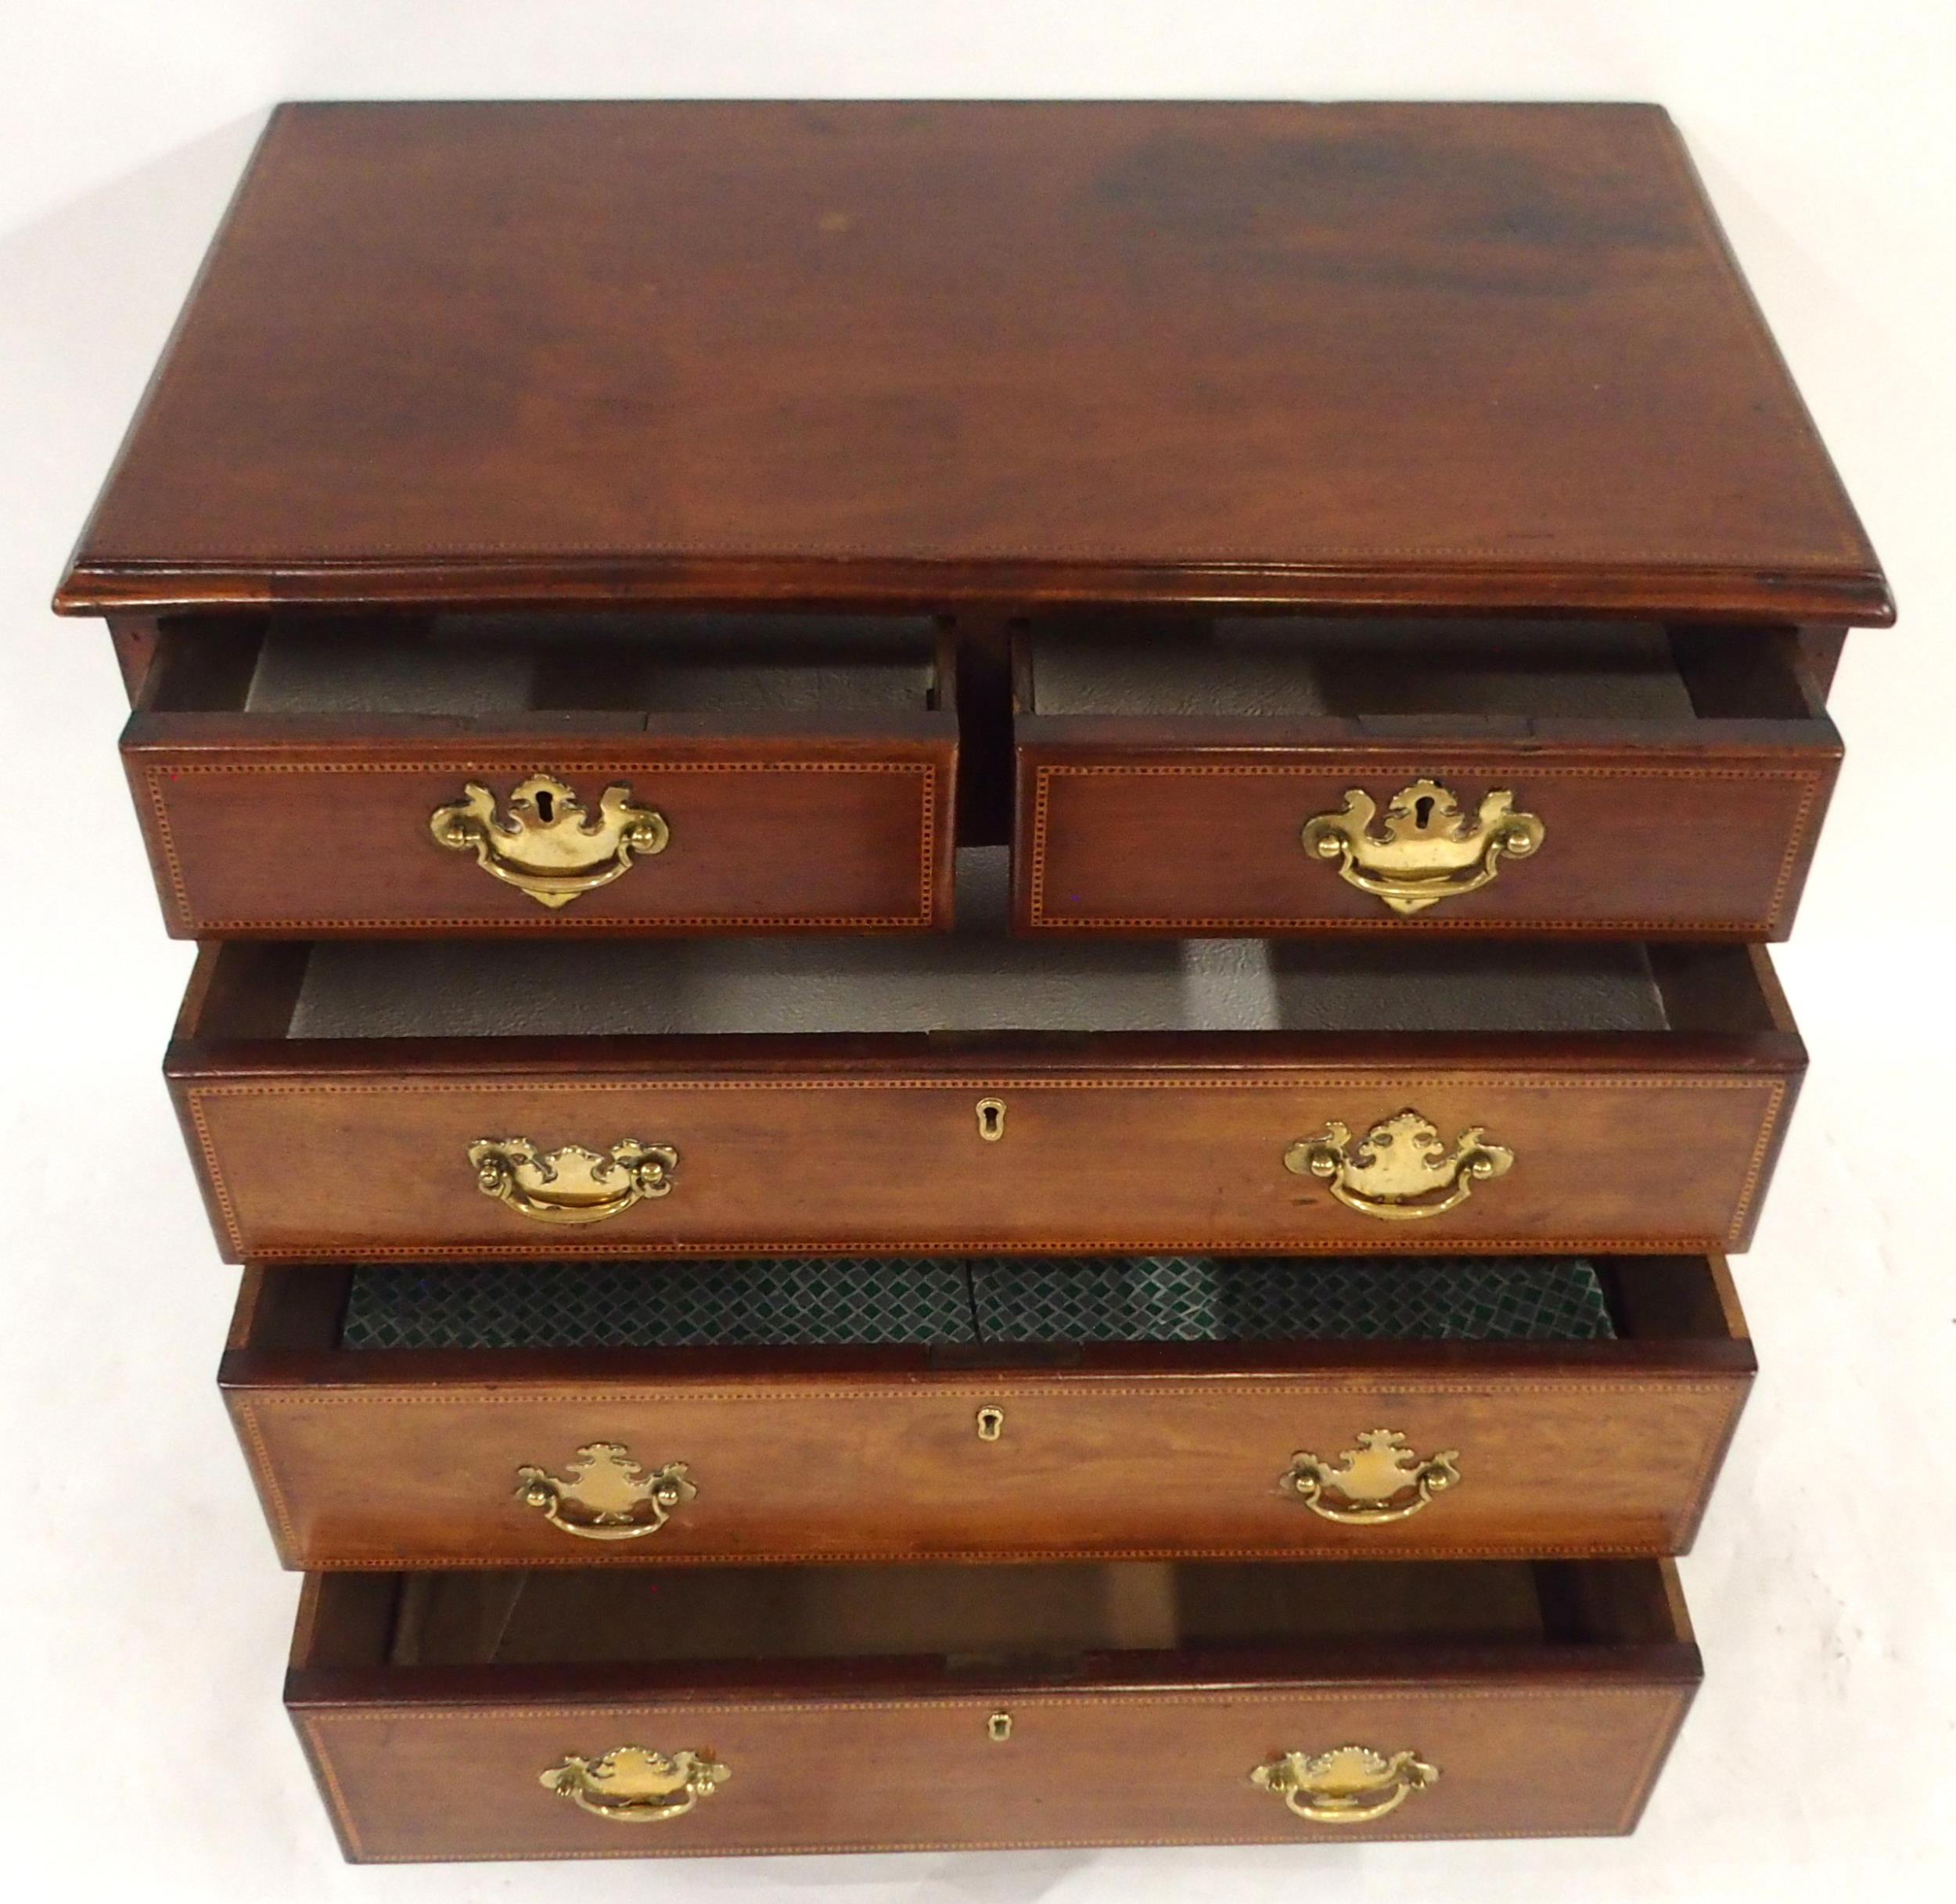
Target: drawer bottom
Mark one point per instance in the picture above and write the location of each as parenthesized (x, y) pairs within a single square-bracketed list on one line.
[(740, 1710)]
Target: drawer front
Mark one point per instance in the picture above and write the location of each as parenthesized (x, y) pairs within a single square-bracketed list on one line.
[(299, 1166), (1166, 840), (1514, 1756), (819, 834), (1560, 1459)]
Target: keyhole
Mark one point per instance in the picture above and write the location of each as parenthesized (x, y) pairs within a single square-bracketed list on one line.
[(999, 1728), (991, 1424), (542, 807), (991, 1118), (1423, 809)]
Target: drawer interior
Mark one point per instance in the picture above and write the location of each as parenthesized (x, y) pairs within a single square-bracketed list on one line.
[(970, 1615), (1462, 670), (979, 979), (352, 990), (968, 1311), (738, 669), (813, 1303)]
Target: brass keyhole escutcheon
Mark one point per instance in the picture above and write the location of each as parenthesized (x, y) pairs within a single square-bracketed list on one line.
[(548, 844), (992, 1423), (991, 1118), (999, 1728)]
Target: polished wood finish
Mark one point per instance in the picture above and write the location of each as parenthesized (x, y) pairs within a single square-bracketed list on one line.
[(1690, 827), (1429, 355), (310, 824), (1552, 1727), (357, 1148), (1005, 365), (379, 1458)]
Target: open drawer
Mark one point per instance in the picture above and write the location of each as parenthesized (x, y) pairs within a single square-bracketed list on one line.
[(622, 1714), (448, 1099), (1315, 773), (537, 1414), (305, 775)]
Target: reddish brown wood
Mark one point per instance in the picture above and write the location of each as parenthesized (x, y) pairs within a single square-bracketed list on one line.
[(1692, 826), (1436, 355), (1553, 1732), (138, 640), (317, 824), (828, 1142), (1199, 834), (377, 1459)]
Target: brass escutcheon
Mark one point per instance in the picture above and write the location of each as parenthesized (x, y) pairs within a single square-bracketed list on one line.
[(1400, 1170), (1426, 850), (1348, 1785), (991, 1119), (633, 1785), (571, 1185), (550, 847), (999, 1728), (608, 1495), (1380, 1480), (992, 1423)]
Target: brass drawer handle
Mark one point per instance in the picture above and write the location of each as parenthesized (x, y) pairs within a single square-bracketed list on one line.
[(608, 1496), (571, 1185), (633, 1785), (1400, 1170), (550, 847), (1426, 850), (1348, 1785), (1380, 1480)]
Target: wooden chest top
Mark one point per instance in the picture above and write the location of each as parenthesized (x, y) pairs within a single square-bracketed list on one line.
[(1435, 356)]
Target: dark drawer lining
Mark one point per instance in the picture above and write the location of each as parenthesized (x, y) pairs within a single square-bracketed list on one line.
[(793, 1302)]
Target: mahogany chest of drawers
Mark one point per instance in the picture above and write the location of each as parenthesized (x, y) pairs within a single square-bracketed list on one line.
[(982, 895)]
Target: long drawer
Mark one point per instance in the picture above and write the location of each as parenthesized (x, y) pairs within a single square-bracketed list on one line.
[(1375, 775), (538, 1414), (762, 1097), (735, 1710), (305, 775)]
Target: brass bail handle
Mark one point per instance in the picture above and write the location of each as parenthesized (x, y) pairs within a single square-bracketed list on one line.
[(1380, 1480), (634, 1785), (1425, 849), (606, 1496), (1401, 1170), (571, 1185), (1348, 1785), (549, 846)]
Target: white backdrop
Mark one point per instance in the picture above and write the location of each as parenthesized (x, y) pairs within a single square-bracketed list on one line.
[(145, 1754)]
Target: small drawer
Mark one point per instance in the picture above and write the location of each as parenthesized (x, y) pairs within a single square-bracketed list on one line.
[(302, 776), (729, 1710), (1316, 774), (534, 1414), (767, 1096)]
